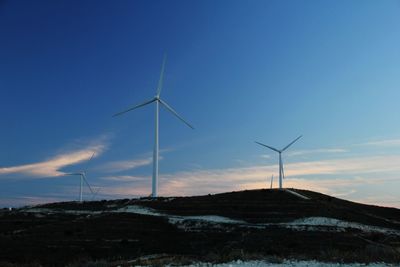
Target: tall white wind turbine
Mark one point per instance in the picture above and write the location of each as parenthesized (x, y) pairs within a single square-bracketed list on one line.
[(158, 101), (281, 172)]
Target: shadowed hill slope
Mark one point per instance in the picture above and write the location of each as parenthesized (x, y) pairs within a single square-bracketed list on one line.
[(250, 224), (275, 205)]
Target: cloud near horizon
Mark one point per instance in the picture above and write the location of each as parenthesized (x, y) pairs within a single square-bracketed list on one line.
[(381, 143), (344, 176), (52, 167), (338, 177)]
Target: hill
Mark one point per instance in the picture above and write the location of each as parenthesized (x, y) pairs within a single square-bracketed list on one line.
[(247, 225)]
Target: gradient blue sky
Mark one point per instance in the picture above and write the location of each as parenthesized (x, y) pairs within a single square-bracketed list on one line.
[(239, 71)]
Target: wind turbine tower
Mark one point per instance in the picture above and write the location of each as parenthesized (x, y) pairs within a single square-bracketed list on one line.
[(281, 172), (157, 101)]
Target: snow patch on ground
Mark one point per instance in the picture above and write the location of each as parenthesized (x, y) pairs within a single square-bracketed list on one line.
[(182, 222), (55, 211), (212, 219), (139, 210), (38, 210), (312, 223), (193, 223), (144, 211), (297, 194), (287, 263), (196, 223), (168, 199)]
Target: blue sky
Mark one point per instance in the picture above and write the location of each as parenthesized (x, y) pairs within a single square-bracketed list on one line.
[(239, 71)]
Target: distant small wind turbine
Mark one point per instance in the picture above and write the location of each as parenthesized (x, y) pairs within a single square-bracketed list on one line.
[(83, 178), (272, 180), (281, 172), (82, 175), (158, 101)]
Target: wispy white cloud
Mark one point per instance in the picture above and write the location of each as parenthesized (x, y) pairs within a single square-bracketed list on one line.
[(354, 165), (52, 167), (343, 176), (123, 165), (317, 151), (123, 178), (382, 143), (129, 164)]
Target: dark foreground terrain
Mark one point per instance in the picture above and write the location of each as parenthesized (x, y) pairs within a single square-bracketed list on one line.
[(254, 224)]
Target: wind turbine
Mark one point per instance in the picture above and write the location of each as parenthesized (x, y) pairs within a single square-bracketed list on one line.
[(157, 101), (82, 175), (272, 180), (83, 179), (281, 172)]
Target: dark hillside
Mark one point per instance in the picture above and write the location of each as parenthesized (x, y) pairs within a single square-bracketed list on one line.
[(264, 206), (251, 224)]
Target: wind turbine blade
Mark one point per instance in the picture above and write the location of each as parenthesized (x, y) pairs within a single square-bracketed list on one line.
[(283, 172), (175, 113), (270, 147), (286, 147), (135, 107), (87, 163), (91, 157), (160, 81), (71, 174), (95, 194), (87, 183)]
